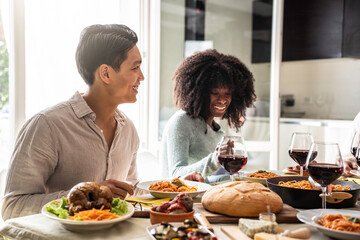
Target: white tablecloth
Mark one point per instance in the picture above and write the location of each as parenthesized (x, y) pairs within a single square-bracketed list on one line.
[(39, 227)]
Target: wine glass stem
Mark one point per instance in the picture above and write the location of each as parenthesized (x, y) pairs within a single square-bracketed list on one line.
[(324, 197), (232, 176), (301, 170)]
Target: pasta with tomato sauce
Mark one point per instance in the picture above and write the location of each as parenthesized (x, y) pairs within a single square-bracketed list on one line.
[(176, 185), (304, 184), (340, 222)]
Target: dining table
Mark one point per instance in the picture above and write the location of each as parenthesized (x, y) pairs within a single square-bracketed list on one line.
[(40, 227)]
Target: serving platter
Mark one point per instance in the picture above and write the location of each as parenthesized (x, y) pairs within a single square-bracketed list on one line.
[(84, 226), (202, 187), (151, 228), (312, 216), (307, 199), (286, 215)]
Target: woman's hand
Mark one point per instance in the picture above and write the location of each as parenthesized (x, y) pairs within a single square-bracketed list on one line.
[(119, 189), (348, 166), (195, 176)]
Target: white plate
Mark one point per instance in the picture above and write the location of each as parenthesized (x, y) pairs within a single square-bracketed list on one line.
[(355, 172), (175, 224), (310, 216), (259, 180), (202, 187), (80, 226)]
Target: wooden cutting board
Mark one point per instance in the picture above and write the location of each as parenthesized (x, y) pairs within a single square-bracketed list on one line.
[(287, 215), (234, 233)]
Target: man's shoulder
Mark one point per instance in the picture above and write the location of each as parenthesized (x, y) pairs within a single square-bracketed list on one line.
[(56, 111)]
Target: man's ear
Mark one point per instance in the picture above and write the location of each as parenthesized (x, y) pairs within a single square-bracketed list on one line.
[(103, 72)]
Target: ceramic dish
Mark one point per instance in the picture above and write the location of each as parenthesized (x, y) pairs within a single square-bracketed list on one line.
[(312, 216), (84, 226), (159, 217), (152, 228), (259, 180), (202, 187), (303, 198), (355, 172)]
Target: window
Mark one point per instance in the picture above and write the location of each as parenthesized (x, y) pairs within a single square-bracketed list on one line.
[(4, 97)]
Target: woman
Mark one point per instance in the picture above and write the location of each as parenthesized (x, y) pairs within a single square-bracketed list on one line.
[(208, 84)]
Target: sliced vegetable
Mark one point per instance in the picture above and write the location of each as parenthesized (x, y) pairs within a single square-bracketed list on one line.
[(58, 208), (178, 183), (354, 219), (119, 206)]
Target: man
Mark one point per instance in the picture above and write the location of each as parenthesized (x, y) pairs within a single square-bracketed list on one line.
[(84, 139)]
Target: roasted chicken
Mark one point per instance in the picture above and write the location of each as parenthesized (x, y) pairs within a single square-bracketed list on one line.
[(89, 195)]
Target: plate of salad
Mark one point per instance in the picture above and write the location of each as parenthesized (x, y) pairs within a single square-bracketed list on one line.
[(90, 220)]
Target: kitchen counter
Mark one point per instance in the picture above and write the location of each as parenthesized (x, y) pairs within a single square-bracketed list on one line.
[(305, 121)]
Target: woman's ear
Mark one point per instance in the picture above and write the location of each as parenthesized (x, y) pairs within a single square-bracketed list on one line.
[(103, 72)]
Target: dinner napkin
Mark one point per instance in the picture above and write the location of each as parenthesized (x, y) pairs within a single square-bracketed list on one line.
[(40, 227)]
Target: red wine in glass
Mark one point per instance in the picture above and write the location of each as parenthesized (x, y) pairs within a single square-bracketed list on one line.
[(324, 173), (232, 163), (299, 148), (327, 167), (300, 156)]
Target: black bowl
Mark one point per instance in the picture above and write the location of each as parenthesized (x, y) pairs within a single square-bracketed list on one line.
[(303, 198)]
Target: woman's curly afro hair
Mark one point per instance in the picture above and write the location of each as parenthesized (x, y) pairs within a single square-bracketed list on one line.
[(198, 74)]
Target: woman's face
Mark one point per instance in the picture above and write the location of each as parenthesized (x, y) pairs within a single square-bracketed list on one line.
[(220, 99)]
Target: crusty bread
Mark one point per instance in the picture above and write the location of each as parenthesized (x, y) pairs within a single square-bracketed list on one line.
[(241, 199)]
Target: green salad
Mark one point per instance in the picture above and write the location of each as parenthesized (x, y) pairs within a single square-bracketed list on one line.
[(59, 208)]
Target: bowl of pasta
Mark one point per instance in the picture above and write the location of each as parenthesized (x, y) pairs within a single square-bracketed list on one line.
[(297, 192), (261, 176), (172, 187), (335, 223)]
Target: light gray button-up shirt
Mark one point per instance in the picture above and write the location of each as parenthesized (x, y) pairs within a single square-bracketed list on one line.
[(60, 147)]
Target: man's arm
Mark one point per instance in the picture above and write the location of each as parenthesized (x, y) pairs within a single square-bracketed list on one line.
[(34, 159)]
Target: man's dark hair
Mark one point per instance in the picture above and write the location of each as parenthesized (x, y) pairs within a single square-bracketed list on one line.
[(198, 74), (103, 44)]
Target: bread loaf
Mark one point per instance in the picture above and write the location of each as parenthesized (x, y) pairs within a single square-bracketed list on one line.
[(241, 199)]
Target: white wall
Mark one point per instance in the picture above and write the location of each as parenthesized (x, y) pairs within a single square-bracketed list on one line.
[(326, 89)]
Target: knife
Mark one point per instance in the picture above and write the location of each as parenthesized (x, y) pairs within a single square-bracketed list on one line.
[(201, 219)]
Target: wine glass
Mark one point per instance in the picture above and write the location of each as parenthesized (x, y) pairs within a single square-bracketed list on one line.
[(327, 167), (232, 154), (355, 143), (357, 155), (299, 148)]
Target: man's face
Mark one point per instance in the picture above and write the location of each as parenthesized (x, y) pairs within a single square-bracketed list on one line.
[(125, 83), (220, 99)]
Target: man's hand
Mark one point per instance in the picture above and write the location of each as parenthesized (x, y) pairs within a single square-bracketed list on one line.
[(195, 176), (119, 189), (348, 166)]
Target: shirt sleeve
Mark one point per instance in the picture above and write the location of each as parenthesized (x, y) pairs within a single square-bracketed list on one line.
[(33, 161), (178, 143)]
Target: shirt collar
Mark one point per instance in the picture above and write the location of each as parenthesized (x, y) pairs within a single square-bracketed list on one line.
[(80, 106), (81, 109)]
